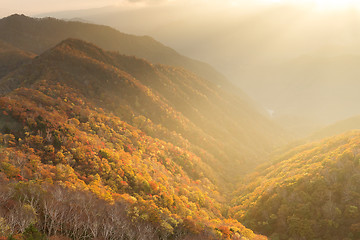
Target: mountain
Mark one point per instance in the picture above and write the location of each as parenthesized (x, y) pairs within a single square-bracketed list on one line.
[(12, 57), (306, 84), (158, 141), (309, 192), (37, 35), (54, 140), (352, 123), (208, 117)]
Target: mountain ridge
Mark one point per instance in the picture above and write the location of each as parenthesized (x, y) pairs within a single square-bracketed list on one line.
[(198, 108), (73, 118), (106, 37)]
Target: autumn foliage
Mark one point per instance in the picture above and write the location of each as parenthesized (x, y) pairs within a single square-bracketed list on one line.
[(310, 192), (74, 161)]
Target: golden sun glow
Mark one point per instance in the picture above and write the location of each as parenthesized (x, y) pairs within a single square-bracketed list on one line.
[(332, 5), (336, 4)]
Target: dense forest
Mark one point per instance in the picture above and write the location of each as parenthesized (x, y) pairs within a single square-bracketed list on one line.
[(123, 131), (309, 192), (95, 144), (52, 136)]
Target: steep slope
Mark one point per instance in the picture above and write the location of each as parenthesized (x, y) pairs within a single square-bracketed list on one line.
[(181, 108), (12, 58), (310, 192), (72, 122), (38, 35), (63, 140)]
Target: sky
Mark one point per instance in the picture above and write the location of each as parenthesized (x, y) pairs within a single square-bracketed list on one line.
[(34, 7)]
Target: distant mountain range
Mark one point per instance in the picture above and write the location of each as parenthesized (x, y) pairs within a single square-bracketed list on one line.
[(39, 34), (39, 38), (303, 71), (12, 57), (102, 145), (162, 140), (352, 123)]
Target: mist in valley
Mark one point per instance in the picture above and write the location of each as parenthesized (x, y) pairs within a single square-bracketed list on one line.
[(298, 61), (170, 119)]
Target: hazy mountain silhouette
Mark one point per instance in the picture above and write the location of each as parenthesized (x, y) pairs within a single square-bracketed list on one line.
[(261, 50), (352, 123), (12, 57), (37, 35)]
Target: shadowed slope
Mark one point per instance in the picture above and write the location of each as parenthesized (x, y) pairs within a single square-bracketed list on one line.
[(12, 58)]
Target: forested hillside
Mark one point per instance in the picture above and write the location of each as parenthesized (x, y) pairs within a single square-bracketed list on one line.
[(309, 192), (155, 144), (95, 144), (167, 103), (55, 137)]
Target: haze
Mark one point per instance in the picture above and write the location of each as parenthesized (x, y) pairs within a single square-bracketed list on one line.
[(297, 60)]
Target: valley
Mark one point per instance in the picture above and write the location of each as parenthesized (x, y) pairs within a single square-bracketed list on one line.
[(107, 135)]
